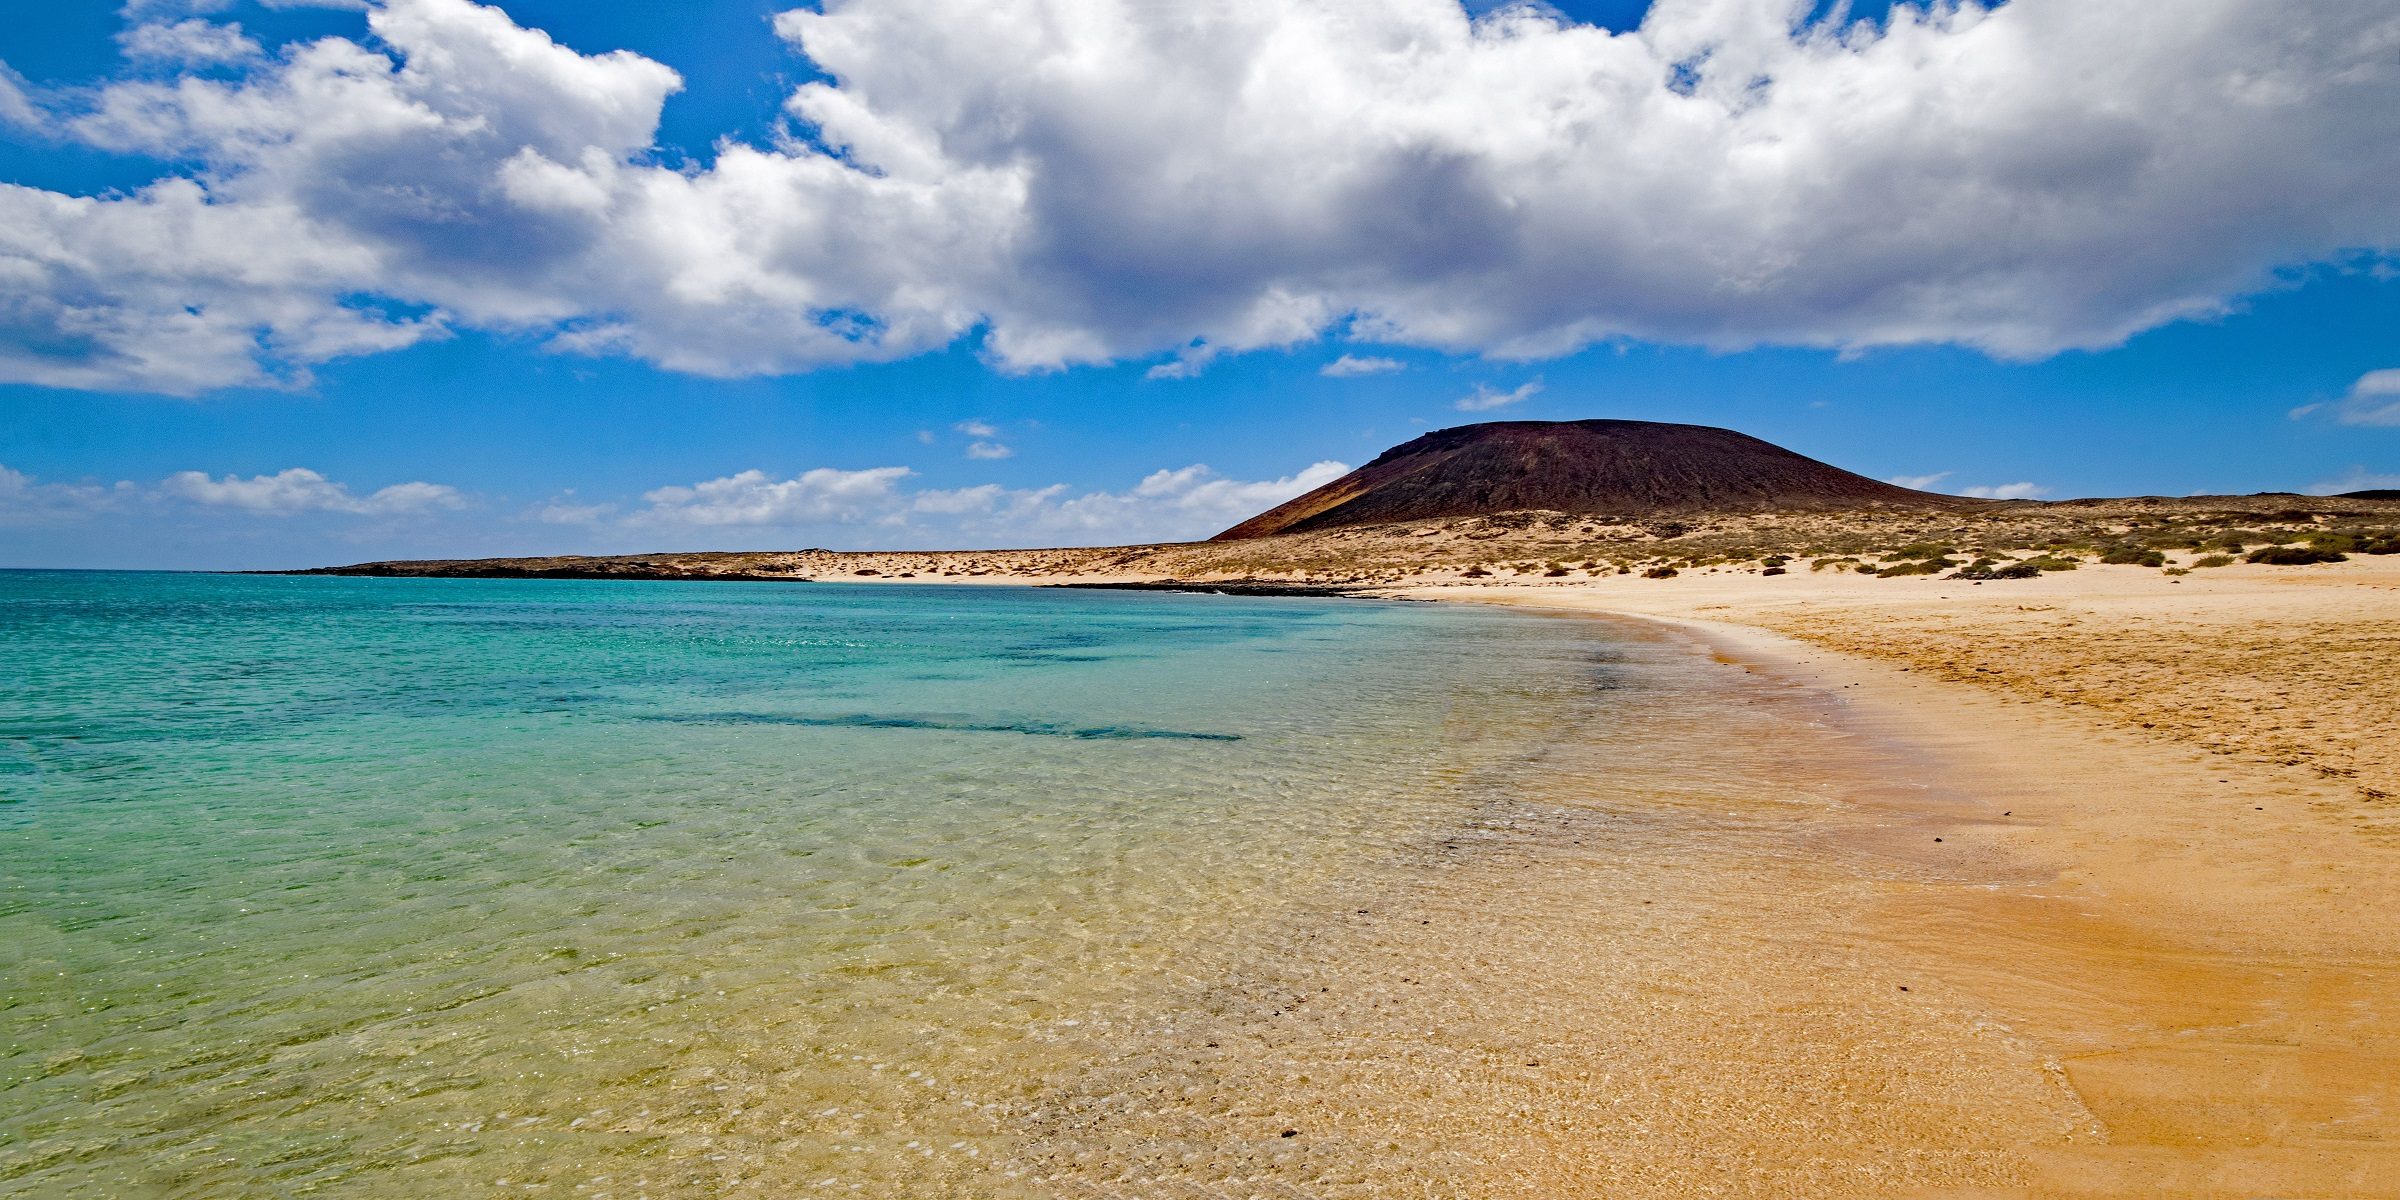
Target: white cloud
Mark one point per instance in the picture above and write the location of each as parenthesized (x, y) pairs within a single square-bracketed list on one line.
[(191, 41), (160, 10), (1919, 482), (299, 490), (977, 429), (1188, 363), (1351, 364), (565, 511), (1486, 398), (1167, 505), (2007, 491), (286, 493), (412, 497), (2373, 400), (1094, 180), (16, 106), (2356, 479), (989, 450), (820, 496), (27, 501)]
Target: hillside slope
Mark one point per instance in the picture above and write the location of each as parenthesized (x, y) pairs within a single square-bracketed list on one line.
[(1622, 468)]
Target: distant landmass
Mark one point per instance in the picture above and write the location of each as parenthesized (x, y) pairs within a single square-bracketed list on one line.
[(1600, 467), (1553, 500)]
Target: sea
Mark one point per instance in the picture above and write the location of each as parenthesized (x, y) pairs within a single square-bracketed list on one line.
[(419, 887)]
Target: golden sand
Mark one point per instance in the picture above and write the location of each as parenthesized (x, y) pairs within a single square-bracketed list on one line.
[(2195, 774)]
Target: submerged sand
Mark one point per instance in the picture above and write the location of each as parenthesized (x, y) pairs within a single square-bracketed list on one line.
[(2081, 885)]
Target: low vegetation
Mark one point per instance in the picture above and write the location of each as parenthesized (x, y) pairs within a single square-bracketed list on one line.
[(2014, 541), (2133, 556), (2296, 556)]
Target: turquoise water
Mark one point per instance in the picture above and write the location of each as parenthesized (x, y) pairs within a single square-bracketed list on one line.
[(387, 887)]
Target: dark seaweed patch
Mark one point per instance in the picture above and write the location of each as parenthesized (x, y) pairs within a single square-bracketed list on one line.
[(873, 721)]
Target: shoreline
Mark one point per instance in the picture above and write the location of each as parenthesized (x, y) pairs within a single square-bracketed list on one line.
[(2139, 828), (2211, 959)]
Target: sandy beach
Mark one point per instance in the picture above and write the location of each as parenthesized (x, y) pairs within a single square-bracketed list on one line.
[(2074, 885), (2170, 798)]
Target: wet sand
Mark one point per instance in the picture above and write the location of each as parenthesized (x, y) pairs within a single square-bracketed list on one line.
[(1655, 961), (2167, 808)]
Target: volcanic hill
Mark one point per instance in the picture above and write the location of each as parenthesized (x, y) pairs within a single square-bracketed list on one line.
[(1625, 468)]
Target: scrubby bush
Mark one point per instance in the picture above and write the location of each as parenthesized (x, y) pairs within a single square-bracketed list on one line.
[(1838, 564), (1659, 573), (2296, 556), (2358, 541), (1772, 571), (1916, 550), (1931, 566), (1474, 573), (1990, 570), (2052, 562), (2215, 560), (2132, 556), (1774, 561), (1555, 572)]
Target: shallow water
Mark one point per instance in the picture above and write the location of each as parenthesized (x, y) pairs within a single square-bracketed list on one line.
[(381, 887)]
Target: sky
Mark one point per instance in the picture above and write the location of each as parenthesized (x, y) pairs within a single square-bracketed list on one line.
[(296, 282)]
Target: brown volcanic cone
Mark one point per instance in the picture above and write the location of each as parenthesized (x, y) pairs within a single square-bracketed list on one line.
[(1626, 468)]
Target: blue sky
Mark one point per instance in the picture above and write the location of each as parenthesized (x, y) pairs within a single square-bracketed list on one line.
[(572, 303)]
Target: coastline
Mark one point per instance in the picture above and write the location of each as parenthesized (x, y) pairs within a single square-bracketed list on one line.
[(2149, 953), (2205, 945)]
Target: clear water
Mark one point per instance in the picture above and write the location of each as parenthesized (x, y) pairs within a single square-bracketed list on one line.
[(391, 887)]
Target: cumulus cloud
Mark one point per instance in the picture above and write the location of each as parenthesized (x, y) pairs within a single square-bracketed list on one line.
[(2007, 491), (2373, 400), (1919, 482), (25, 500), (1083, 181), (1486, 398), (191, 41), (299, 490), (286, 493), (977, 429), (1351, 364), (1167, 505), (821, 496), (989, 450)]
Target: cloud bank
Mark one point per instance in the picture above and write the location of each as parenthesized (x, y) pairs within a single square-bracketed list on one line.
[(1085, 181), (1167, 505), (295, 491), (874, 507)]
